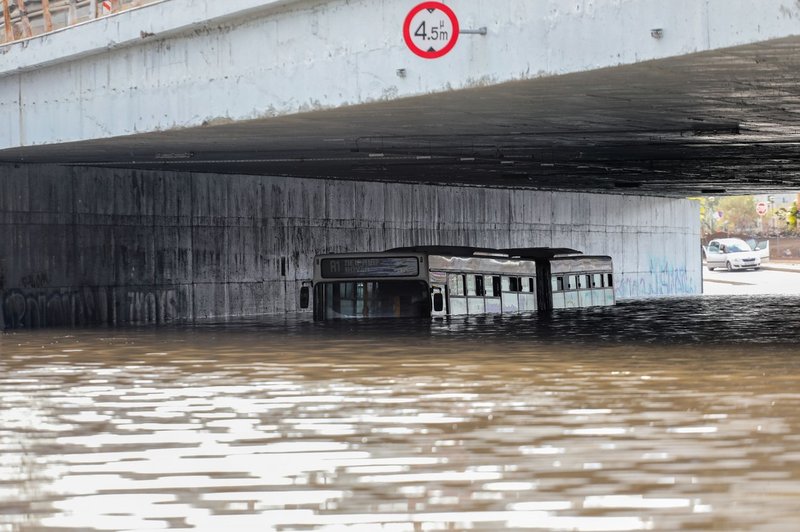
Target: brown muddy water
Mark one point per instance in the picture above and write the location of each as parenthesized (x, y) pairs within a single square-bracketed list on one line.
[(683, 414)]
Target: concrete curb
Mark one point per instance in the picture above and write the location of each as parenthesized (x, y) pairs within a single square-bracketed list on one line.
[(776, 268)]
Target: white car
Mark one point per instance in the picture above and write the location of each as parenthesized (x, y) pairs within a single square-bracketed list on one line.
[(731, 253)]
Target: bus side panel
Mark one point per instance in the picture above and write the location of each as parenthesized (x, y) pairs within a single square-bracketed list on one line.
[(527, 302), (458, 305), (494, 305), (318, 312), (609, 293), (571, 299), (598, 298), (510, 302), (475, 305), (437, 278), (584, 298)]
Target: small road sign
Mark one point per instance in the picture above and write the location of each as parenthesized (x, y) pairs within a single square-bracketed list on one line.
[(430, 29), (761, 208)]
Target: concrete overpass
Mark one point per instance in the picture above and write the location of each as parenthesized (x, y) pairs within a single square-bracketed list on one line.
[(158, 152)]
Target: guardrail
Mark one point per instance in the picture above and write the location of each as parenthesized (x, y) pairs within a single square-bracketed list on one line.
[(23, 19)]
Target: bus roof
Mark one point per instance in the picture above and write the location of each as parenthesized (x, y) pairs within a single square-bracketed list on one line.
[(581, 263), (467, 251)]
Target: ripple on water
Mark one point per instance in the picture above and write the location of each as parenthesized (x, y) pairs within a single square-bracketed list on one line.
[(678, 415)]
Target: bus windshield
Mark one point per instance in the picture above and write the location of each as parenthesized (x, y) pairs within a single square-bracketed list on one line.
[(374, 299)]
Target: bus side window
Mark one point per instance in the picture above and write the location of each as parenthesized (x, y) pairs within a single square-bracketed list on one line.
[(496, 285), (506, 284), (610, 279), (456, 285), (479, 288), (471, 285), (578, 282), (554, 284), (560, 283), (526, 284), (571, 282), (597, 281), (589, 283), (514, 284)]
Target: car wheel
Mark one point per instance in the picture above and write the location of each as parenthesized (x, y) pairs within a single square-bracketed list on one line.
[(729, 266), (710, 268)]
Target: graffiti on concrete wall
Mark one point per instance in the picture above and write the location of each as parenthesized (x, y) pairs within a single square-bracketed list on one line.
[(35, 280), (155, 306), (86, 306), (37, 308), (664, 278)]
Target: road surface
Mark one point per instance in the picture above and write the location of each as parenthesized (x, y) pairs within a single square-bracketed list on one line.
[(772, 278)]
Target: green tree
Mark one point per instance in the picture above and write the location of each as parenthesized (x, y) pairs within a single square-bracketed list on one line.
[(739, 213), (708, 209), (789, 216)]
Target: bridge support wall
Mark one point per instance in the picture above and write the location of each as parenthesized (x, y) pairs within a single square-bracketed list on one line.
[(87, 245)]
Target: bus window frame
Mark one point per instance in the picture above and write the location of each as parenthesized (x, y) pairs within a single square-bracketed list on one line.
[(480, 286), (497, 285)]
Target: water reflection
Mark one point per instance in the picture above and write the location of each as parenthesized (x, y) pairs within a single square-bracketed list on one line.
[(680, 417)]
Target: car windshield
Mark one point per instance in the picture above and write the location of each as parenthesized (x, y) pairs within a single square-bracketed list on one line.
[(735, 247)]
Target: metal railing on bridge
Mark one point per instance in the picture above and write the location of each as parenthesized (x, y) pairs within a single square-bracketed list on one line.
[(23, 19)]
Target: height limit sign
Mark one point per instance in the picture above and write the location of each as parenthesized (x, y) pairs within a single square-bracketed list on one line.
[(430, 29)]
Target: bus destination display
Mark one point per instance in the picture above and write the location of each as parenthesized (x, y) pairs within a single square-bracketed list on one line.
[(370, 267)]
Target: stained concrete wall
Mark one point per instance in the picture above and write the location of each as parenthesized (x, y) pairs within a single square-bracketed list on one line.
[(87, 245)]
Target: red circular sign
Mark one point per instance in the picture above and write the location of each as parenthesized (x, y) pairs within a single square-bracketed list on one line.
[(430, 29), (761, 208)]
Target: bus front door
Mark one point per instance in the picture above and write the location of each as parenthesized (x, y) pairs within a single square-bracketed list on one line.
[(438, 300)]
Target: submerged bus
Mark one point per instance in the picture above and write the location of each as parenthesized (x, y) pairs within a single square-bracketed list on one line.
[(441, 281)]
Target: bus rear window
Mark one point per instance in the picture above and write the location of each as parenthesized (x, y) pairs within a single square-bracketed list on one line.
[(374, 299)]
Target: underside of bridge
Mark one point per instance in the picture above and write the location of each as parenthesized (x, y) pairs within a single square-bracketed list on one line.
[(718, 122)]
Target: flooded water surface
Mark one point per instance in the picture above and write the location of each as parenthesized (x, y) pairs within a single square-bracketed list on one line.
[(685, 415)]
